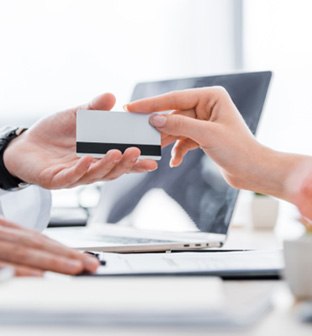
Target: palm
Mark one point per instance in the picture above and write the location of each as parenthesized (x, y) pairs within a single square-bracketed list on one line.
[(52, 157), (46, 153)]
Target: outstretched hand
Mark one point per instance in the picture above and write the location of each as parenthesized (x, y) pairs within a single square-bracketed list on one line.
[(46, 153), (205, 118)]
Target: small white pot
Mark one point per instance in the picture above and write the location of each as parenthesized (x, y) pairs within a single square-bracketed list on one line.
[(298, 266), (264, 212)]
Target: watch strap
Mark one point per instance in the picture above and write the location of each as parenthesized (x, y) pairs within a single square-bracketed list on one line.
[(7, 180)]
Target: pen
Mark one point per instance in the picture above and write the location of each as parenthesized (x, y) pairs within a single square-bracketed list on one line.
[(97, 256)]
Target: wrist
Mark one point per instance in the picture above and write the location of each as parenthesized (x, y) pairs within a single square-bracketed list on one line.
[(264, 171), (299, 185), (278, 174), (271, 172)]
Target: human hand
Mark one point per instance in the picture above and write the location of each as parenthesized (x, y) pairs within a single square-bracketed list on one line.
[(205, 118), (31, 253), (46, 153)]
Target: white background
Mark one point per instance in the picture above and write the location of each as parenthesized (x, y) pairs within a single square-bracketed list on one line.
[(59, 53), (277, 36)]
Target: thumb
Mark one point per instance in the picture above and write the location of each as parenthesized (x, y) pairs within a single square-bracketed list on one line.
[(181, 126), (103, 102)]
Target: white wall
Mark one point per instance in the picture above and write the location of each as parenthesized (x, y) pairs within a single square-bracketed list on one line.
[(278, 37), (59, 53)]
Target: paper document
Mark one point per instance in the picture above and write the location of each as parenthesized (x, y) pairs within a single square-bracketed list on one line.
[(191, 262)]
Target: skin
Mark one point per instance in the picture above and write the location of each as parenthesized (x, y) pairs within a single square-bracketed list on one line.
[(46, 155), (34, 158), (31, 253), (207, 118)]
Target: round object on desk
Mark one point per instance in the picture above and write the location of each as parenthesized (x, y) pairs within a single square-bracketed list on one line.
[(264, 212), (298, 266)]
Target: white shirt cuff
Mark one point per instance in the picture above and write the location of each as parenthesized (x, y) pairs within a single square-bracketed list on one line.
[(29, 207)]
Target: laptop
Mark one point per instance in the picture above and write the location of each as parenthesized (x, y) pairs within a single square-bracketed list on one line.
[(181, 209)]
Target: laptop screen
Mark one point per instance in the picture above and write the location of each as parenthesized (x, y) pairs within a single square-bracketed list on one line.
[(196, 186)]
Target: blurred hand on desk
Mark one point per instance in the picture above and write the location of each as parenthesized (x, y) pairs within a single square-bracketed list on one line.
[(31, 254)]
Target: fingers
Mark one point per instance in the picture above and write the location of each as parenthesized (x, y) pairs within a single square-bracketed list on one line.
[(179, 150), (110, 167), (41, 242), (107, 169), (31, 249), (114, 164), (68, 176), (167, 139), (181, 126), (23, 270), (89, 262), (180, 100), (144, 166), (100, 168), (38, 259), (6, 223), (176, 100), (128, 161)]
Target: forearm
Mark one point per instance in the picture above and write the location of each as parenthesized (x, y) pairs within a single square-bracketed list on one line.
[(283, 175)]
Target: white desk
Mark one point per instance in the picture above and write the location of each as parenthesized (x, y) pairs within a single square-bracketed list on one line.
[(281, 320)]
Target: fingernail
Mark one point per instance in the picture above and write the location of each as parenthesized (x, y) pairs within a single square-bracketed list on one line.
[(125, 107), (134, 160), (109, 153), (171, 164), (91, 263), (158, 120)]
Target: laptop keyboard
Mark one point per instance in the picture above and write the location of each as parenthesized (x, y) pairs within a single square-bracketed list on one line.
[(129, 240)]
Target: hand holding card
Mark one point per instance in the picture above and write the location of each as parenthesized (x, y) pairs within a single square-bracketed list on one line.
[(101, 131)]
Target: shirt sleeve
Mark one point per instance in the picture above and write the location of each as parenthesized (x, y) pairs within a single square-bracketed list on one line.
[(29, 207)]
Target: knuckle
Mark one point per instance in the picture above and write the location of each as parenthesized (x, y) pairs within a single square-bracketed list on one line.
[(20, 253), (221, 92), (177, 122), (41, 242), (172, 97), (56, 264)]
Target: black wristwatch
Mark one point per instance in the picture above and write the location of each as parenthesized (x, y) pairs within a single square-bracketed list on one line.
[(8, 181)]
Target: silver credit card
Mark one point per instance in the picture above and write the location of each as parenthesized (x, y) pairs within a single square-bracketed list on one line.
[(100, 131)]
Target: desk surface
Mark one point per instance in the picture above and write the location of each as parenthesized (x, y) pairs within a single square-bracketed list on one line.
[(281, 320)]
